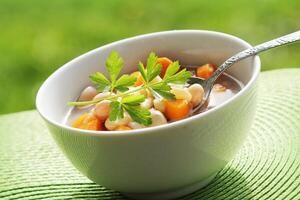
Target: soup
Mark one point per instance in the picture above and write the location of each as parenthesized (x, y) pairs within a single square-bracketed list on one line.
[(156, 94)]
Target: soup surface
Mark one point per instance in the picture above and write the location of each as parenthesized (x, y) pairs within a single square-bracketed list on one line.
[(154, 95)]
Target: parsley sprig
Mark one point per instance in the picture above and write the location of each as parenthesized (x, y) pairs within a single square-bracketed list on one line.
[(127, 100), (131, 104), (114, 65)]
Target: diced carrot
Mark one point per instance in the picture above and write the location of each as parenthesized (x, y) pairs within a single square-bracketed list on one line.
[(177, 109), (139, 78), (88, 122), (205, 71), (123, 128), (79, 120), (165, 62)]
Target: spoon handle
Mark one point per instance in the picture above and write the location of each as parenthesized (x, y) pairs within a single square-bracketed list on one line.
[(290, 38)]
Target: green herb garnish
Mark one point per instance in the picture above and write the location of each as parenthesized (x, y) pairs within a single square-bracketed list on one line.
[(114, 65), (127, 100), (131, 104)]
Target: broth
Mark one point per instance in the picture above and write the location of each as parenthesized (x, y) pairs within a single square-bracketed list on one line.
[(217, 96), (156, 94)]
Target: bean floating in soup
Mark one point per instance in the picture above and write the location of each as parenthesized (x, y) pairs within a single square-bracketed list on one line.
[(156, 94)]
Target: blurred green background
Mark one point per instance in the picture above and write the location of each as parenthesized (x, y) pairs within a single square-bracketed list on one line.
[(37, 37)]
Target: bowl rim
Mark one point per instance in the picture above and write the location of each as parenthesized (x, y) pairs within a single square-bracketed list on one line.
[(254, 76)]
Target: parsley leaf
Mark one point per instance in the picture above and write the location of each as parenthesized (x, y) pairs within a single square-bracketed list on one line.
[(132, 105), (117, 111), (172, 77), (114, 64), (172, 69), (162, 86), (101, 82), (133, 100), (155, 72), (165, 94), (153, 68), (162, 90), (143, 71), (124, 82), (180, 77), (138, 114)]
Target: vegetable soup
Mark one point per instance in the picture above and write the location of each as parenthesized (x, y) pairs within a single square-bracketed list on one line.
[(156, 93)]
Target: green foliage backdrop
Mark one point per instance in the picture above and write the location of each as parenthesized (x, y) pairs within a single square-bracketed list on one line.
[(37, 37)]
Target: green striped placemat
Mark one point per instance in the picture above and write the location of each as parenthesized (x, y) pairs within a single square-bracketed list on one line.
[(267, 167)]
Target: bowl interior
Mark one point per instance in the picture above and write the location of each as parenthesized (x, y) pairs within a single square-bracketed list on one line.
[(189, 47)]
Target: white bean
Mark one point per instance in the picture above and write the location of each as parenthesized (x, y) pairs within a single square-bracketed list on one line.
[(159, 104), (148, 103), (111, 125), (88, 94), (102, 109), (135, 125), (197, 93), (102, 95), (181, 93), (157, 118)]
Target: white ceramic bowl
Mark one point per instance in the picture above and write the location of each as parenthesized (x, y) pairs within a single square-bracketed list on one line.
[(165, 161)]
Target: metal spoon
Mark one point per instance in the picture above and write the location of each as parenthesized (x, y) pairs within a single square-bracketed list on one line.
[(208, 84)]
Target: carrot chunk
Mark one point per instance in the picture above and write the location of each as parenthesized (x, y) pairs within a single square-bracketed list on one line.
[(165, 62), (205, 71), (139, 78), (177, 109), (123, 128), (88, 122)]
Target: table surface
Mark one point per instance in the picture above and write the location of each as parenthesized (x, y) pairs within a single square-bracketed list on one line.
[(267, 166)]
